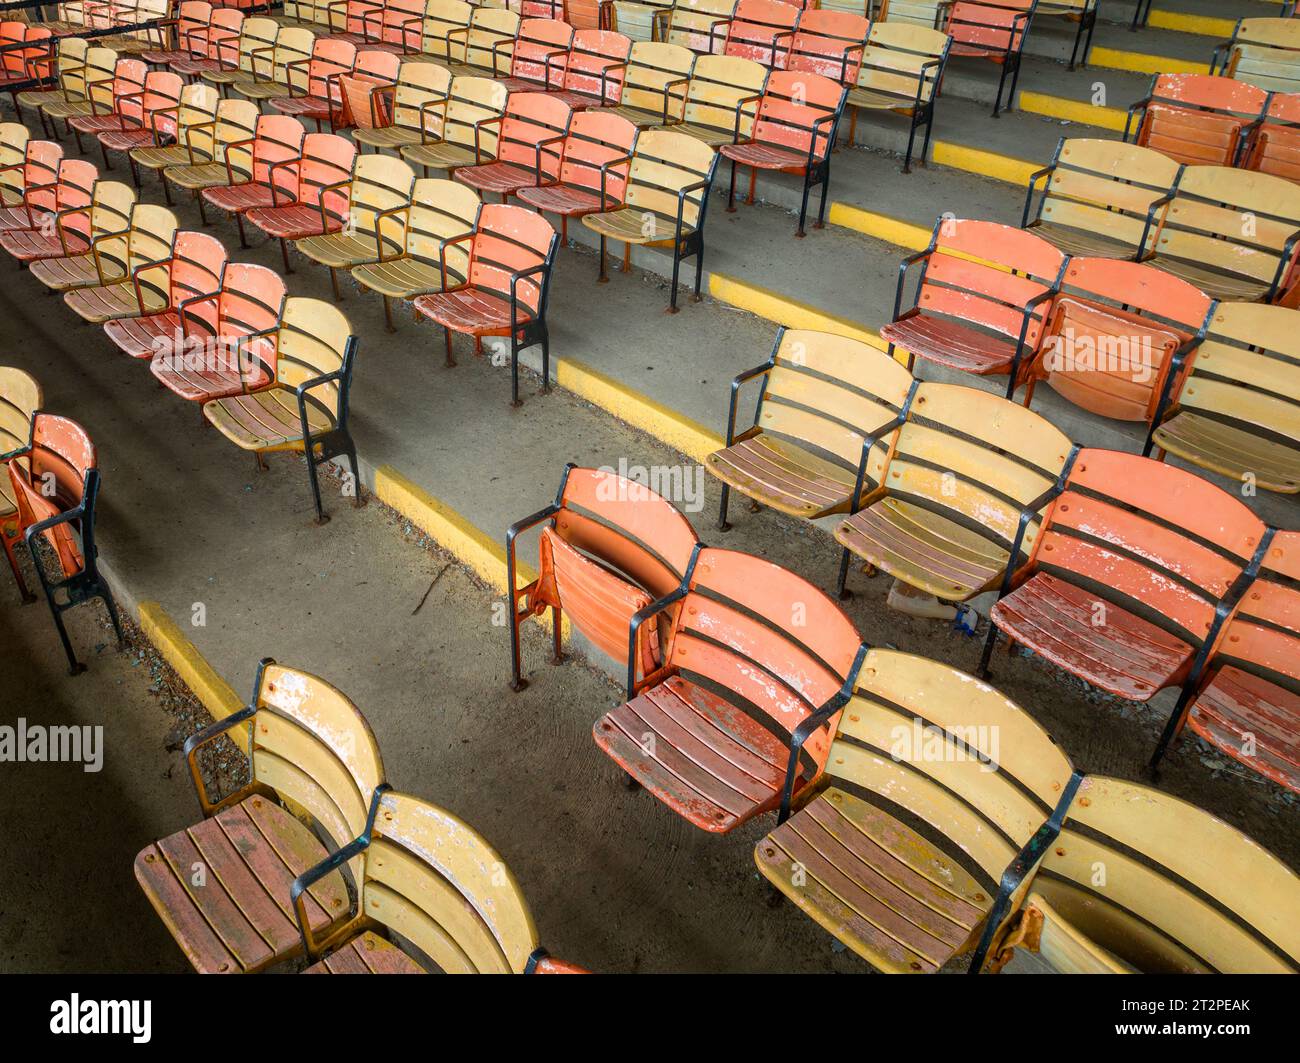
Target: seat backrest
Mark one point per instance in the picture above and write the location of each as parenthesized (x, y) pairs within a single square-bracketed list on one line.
[(327, 159), (597, 64), (440, 210), (996, 27), (192, 19), (582, 14), (1199, 118), (35, 60), (1247, 371), (985, 274), (110, 209), (363, 17), (953, 753), (694, 23), (1112, 333), (663, 164), (361, 104), (74, 195), (509, 239), (927, 13), (251, 301), (799, 111), (402, 24), (491, 39), (41, 174), (11, 34), (903, 59), (330, 58), (656, 78), (100, 73), (828, 392), (293, 46), (1235, 221), (229, 139), (128, 84), (21, 395), (762, 30), (257, 38), (639, 21), (14, 139), (1165, 887), (474, 100), (1107, 187), (436, 882), (1263, 635), (223, 35), (597, 138), (541, 51), (278, 140), (197, 266), (1266, 52), (420, 83), (312, 341), (719, 87), (830, 43), (71, 66), (533, 121), (311, 745), (1148, 538), (197, 108), (379, 183), (976, 459), (444, 32), (779, 645), (161, 102), (52, 479)]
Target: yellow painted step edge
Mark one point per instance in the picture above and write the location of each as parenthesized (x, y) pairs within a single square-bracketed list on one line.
[(881, 226), (216, 695), (1082, 111), (1142, 63), (468, 543), (986, 163), (1205, 25)]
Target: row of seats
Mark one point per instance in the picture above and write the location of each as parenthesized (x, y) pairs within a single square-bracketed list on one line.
[(958, 492), (1202, 119), (273, 891), (921, 815)]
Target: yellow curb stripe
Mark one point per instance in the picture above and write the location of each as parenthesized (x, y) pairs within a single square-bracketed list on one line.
[(217, 696), (785, 311), (469, 544), (1142, 63), (880, 226), (1205, 25), (985, 163), (640, 411), (1081, 111)]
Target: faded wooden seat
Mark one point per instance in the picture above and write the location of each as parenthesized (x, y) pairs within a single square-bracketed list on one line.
[(654, 84), (539, 55), (1264, 52), (432, 879), (823, 397), (123, 286), (309, 746), (738, 680), (946, 516), (1184, 892), (90, 88), (994, 31), (274, 76), (74, 194), (469, 128), (910, 896), (1127, 573), (529, 146), (694, 24), (721, 99), (220, 45), (1196, 119), (217, 150), (1238, 411), (251, 56), (609, 548), (314, 87), (420, 98), (34, 188), (900, 71), (1101, 198), (21, 395), (275, 160), (110, 215)]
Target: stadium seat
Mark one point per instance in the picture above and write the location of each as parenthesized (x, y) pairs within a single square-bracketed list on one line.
[(1183, 892), (745, 633), (539, 56), (793, 132), (366, 93), (275, 73), (433, 881), (194, 119), (595, 69), (36, 188), (993, 30), (90, 89), (21, 396), (1238, 411), (829, 43), (1264, 52), (127, 88), (919, 745), (189, 34), (150, 121), (637, 20), (721, 99), (529, 146), (981, 301), (957, 501), (310, 749), (1101, 198), (609, 547), (363, 25), (694, 24), (275, 159), (446, 25), (1127, 574), (111, 205), (252, 56), (761, 30), (901, 71), (221, 45), (815, 443), (665, 201), (70, 81), (486, 46), (70, 234), (511, 255), (1197, 119), (419, 98), (314, 90), (1275, 147), (14, 139), (305, 410), (116, 291), (468, 132), (217, 150), (54, 479), (654, 84)]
